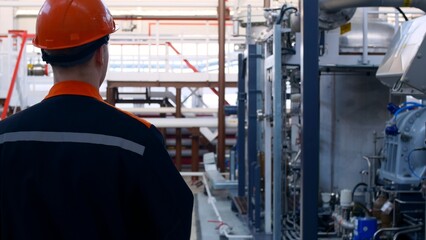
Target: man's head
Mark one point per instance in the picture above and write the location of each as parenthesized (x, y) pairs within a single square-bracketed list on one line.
[(70, 32)]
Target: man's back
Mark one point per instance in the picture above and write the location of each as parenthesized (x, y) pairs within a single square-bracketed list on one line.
[(73, 167)]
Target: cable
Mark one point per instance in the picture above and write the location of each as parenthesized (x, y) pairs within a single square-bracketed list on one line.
[(283, 10), (407, 107), (412, 103), (392, 129), (409, 162), (402, 13), (357, 186)]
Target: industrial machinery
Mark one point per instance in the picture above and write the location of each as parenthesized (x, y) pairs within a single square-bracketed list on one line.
[(372, 121)]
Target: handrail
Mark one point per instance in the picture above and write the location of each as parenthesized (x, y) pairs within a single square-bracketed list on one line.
[(23, 34), (192, 67)]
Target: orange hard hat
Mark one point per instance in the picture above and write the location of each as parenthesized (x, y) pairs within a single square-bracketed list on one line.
[(70, 23)]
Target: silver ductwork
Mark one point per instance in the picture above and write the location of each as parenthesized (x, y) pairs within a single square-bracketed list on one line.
[(333, 6), (335, 13)]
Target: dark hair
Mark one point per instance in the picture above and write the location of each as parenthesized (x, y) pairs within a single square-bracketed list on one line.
[(73, 56)]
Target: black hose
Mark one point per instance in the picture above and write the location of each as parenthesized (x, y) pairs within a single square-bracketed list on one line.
[(282, 12), (402, 13), (357, 186)]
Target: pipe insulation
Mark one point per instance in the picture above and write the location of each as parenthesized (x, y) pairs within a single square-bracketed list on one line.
[(170, 110), (331, 6), (190, 122)]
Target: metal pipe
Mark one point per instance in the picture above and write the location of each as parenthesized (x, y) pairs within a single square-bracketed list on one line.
[(364, 59), (232, 165), (336, 5), (190, 122), (178, 157), (277, 133), (395, 237), (343, 222), (170, 110), (408, 202), (266, 3), (23, 35), (221, 72), (370, 181), (393, 229), (267, 143), (195, 160)]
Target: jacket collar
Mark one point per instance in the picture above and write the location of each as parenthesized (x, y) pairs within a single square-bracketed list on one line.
[(74, 88)]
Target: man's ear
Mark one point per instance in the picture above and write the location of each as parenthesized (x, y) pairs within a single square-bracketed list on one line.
[(100, 55)]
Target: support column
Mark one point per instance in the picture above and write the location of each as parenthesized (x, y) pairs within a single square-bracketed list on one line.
[(195, 160), (111, 95), (221, 113), (310, 120), (178, 136)]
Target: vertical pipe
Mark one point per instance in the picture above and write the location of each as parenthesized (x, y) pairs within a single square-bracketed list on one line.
[(252, 127), (248, 27), (23, 36), (195, 158), (266, 3), (221, 113), (277, 132), (268, 151), (257, 206), (178, 157), (110, 95), (310, 119), (232, 165), (396, 26), (364, 36), (241, 145)]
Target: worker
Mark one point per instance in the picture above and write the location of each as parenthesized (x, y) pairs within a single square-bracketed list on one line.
[(75, 167)]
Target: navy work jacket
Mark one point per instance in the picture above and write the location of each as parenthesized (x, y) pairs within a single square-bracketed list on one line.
[(74, 167)]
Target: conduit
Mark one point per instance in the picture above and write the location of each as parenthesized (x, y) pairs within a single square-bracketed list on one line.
[(224, 229)]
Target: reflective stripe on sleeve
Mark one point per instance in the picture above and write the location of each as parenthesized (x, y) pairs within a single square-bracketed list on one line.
[(72, 137)]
